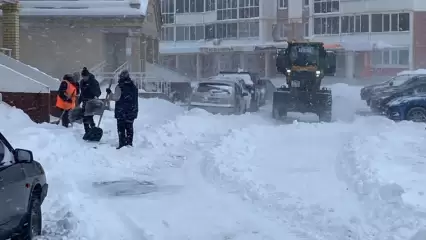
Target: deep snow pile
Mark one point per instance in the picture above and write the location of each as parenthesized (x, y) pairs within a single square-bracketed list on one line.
[(192, 175)]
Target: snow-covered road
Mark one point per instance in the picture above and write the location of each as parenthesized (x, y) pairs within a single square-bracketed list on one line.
[(192, 175)]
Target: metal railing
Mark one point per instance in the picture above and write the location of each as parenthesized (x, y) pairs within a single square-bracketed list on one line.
[(151, 83), (6, 51)]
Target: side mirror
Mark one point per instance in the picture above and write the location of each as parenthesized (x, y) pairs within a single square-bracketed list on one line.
[(245, 94), (23, 155), (391, 84)]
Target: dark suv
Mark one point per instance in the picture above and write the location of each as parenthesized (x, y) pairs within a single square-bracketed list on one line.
[(23, 188)]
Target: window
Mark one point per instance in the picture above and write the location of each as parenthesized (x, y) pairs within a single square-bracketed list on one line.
[(189, 33), (282, 30), (326, 25), (227, 9), (283, 4), (6, 157), (352, 24), (2, 152), (249, 9), (210, 5), (187, 6), (399, 57), (326, 6), (168, 34), (395, 22), (306, 3), (248, 29), (168, 11), (226, 30), (306, 29), (210, 31)]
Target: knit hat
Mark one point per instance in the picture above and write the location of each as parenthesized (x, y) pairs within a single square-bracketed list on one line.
[(85, 72), (68, 77)]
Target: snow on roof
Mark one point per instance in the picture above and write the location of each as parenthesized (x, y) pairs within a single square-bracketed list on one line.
[(412, 72), (208, 46), (365, 45), (83, 8), (20, 83)]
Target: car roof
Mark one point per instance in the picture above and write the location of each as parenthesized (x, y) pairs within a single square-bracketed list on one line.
[(223, 81)]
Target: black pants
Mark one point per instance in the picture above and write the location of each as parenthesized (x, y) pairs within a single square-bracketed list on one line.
[(65, 120), (125, 132), (88, 123)]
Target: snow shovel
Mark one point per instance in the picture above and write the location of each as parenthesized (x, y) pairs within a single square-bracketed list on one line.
[(95, 134), (60, 118)]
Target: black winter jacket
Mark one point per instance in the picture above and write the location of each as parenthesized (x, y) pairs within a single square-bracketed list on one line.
[(127, 107), (89, 89)]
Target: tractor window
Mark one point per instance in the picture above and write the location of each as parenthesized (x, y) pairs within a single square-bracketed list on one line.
[(304, 55)]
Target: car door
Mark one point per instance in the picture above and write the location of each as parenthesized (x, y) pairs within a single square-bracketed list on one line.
[(13, 190)]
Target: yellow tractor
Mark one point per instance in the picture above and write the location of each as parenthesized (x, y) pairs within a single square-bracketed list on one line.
[(303, 64)]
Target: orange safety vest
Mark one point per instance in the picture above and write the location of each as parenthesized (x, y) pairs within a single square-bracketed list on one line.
[(70, 92)]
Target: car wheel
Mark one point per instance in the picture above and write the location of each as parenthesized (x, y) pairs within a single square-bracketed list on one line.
[(33, 224), (416, 114)]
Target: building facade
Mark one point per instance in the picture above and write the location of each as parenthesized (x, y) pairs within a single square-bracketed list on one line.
[(370, 37)]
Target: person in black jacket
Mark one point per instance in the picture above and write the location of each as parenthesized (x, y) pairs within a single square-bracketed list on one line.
[(89, 89), (126, 108)]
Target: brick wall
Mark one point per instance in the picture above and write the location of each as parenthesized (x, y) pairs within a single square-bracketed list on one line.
[(419, 39), (36, 105), (10, 28)]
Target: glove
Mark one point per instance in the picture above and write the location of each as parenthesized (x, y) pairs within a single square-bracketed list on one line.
[(108, 90)]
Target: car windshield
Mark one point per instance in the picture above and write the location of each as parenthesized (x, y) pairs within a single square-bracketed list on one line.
[(214, 88), (304, 55), (399, 80)]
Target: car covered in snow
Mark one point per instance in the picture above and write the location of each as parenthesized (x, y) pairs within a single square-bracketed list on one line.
[(252, 84), (23, 189), (219, 97), (378, 102), (410, 108), (240, 81), (368, 92)]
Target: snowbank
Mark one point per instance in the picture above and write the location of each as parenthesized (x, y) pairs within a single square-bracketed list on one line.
[(193, 175), (412, 72)]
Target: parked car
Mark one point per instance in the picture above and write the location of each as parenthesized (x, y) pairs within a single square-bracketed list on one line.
[(251, 83), (410, 108), (219, 97), (240, 81), (23, 189), (368, 92), (379, 103)]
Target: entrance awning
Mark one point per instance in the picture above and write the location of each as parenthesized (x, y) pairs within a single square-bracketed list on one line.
[(333, 46)]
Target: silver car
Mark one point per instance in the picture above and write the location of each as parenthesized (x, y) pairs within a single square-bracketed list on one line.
[(219, 97)]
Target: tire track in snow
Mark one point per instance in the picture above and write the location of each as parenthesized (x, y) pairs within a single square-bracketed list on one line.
[(318, 225), (387, 215)]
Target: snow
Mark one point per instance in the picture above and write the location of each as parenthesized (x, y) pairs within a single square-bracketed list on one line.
[(17, 82), (242, 177), (225, 46), (83, 8), (412, 72)]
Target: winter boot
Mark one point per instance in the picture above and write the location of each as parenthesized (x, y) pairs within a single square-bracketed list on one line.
[(121, 140)]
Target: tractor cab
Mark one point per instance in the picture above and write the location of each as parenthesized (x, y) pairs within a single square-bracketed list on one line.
[(302, 57)]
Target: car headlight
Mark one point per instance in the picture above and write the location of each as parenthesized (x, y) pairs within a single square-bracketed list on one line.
[(318, 73), (288, 71)]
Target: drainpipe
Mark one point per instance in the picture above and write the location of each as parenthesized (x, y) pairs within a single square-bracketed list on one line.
[(11, 28)]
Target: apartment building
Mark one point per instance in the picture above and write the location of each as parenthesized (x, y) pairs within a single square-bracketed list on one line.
[(370, 37), (203, 37)]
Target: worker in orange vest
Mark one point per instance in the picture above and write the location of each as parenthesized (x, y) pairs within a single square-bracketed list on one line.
[(66, 98)]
